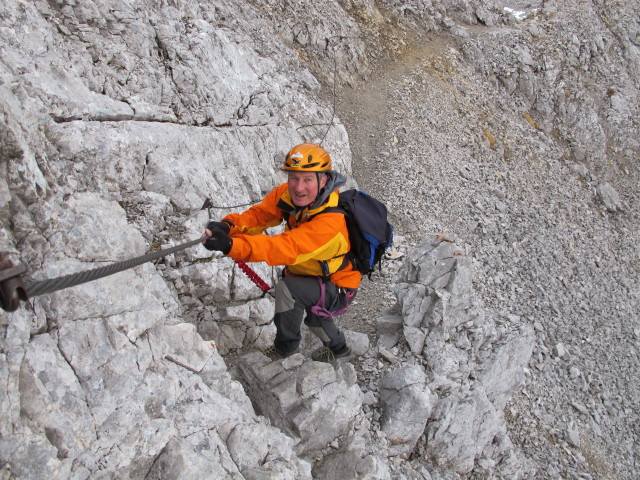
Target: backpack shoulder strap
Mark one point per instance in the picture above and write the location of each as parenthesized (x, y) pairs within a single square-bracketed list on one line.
[(332, 209)]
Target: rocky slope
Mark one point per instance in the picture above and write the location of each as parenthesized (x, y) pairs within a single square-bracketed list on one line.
[(511, 353), (526, 168)]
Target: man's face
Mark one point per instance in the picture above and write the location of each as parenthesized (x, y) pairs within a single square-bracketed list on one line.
[(304, 187)]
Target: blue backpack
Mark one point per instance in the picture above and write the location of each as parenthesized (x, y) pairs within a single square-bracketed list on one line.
[(370, 233)]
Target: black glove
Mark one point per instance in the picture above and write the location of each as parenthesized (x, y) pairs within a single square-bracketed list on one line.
[(221, 243), (219, 228)]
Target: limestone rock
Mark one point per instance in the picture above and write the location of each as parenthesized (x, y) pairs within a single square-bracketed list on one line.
[(180, 460), (351, 464), (182, 345), (309, 400), (474, 369), (53, 402), (118, 119), (407, 403), (609, 197), (389, 323)]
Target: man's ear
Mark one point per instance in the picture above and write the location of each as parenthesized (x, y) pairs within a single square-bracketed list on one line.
[(323, 182)]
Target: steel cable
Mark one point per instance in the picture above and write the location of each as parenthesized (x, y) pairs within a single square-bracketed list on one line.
[(71, 280)]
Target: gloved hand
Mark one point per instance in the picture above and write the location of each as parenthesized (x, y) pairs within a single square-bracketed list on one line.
[(221, 243), (219, 228)]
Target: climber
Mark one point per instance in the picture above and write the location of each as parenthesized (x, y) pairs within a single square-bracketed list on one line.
[(312, 248)]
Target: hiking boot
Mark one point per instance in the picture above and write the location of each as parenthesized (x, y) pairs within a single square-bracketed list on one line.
[(274, 353), (325, 354)]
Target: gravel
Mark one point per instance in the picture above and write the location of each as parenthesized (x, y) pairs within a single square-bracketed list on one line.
[(447, 153)]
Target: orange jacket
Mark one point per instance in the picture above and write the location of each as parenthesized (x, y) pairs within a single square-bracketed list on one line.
[(309, 244)]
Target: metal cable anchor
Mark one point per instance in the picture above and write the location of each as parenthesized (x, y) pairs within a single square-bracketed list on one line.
[(12, 288)]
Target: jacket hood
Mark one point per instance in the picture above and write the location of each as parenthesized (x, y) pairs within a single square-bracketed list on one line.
[(334, 181)]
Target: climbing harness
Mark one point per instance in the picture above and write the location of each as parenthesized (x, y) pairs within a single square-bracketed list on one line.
[(319, 308)]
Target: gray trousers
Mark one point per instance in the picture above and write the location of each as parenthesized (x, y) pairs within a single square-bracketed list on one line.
[(294, 297)]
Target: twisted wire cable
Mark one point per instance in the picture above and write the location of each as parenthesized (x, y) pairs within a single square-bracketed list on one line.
[(54, 284)]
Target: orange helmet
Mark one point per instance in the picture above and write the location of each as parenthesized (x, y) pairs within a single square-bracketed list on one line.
[(307, 157)]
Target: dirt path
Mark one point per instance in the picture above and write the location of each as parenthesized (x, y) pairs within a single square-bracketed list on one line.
[(368, 112)]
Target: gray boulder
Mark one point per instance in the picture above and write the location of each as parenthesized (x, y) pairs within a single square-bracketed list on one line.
[(476, 360), (313, 402), (407, 404)]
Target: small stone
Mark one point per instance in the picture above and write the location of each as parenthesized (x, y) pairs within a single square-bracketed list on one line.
[(386, 341), (387, 355), (579, 407), (574, 373), (559, 350), (609, 197), (572, 436), (369, 398)]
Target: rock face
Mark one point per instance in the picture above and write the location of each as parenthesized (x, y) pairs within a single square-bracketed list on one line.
[(407, 404), (117, 121), (475, 358), (312, 401)]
